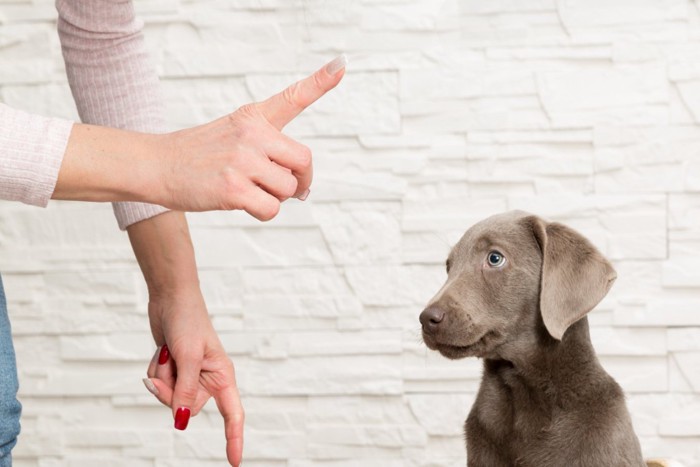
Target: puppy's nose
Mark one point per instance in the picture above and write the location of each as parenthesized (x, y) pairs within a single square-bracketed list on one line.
[(431, 318)]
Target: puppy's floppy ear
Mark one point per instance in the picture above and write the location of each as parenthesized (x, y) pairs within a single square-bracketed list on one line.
[(575, 275)]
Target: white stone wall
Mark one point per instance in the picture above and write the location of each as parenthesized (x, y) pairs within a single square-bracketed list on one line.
[(583, 111)]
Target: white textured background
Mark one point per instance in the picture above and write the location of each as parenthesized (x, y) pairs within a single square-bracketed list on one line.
[(584, 111)]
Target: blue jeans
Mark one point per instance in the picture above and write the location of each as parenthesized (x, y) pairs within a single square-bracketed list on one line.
[(10, 407)]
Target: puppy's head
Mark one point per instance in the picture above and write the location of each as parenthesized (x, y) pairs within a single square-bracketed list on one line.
[(509, 278)]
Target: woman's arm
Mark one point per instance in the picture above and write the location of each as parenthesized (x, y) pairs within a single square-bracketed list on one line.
[(239, 161), (113, 81), (179, 318), (114, 85)]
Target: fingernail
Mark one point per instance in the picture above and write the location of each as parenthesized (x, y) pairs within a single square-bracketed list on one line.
[(150, 386), (337, 64), (182, 418), (164, 355), (304, 195)]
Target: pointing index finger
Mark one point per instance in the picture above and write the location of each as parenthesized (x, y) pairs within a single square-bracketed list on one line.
[(228, 402), (282, 108)]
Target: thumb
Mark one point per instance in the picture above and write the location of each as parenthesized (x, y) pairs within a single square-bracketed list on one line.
[(186, 390), (282, 108)]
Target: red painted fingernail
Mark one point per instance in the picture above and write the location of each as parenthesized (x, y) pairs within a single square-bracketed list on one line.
[(164, 355), (182, 418)]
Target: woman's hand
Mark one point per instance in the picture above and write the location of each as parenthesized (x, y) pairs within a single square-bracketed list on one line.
[(193, 366), (243, 161), (239, 161)]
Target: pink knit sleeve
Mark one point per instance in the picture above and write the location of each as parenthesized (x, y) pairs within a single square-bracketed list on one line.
[(31, 152), (111, 76)]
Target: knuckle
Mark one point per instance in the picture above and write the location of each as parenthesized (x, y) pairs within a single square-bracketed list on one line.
[(246, 110), (269, 211), (187, 393), (290, 95), (231, 192), (305, 158), (290, 187), (185, 353), (244, 121), (238, 417), (235, 119), (318, 82)]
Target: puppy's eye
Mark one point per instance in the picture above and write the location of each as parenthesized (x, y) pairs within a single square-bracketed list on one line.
[(495, 259), (448, 264)]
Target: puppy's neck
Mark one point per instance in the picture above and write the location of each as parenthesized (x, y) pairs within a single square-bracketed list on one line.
[(539, 361)]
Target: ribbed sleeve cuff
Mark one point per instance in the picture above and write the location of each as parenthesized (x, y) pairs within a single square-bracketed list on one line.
[(31, 152), (131, 213)]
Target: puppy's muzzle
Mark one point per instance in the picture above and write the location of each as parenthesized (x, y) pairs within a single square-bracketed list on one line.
[(431, 318)]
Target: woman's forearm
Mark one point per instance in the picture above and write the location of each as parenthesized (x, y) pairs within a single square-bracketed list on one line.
[(107, 164), (164, 251)]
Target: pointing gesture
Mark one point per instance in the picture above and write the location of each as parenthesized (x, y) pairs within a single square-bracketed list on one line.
[(239, 161), (242, 160)]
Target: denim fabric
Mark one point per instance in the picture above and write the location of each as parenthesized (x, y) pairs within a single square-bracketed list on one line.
[(10, 407)]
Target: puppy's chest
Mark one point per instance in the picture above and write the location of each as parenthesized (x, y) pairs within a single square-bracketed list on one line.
[(522, 414)]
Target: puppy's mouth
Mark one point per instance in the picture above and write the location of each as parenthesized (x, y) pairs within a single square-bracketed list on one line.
[(451, 351)]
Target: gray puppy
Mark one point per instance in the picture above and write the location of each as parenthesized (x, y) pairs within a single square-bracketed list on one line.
[(517, 292)]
